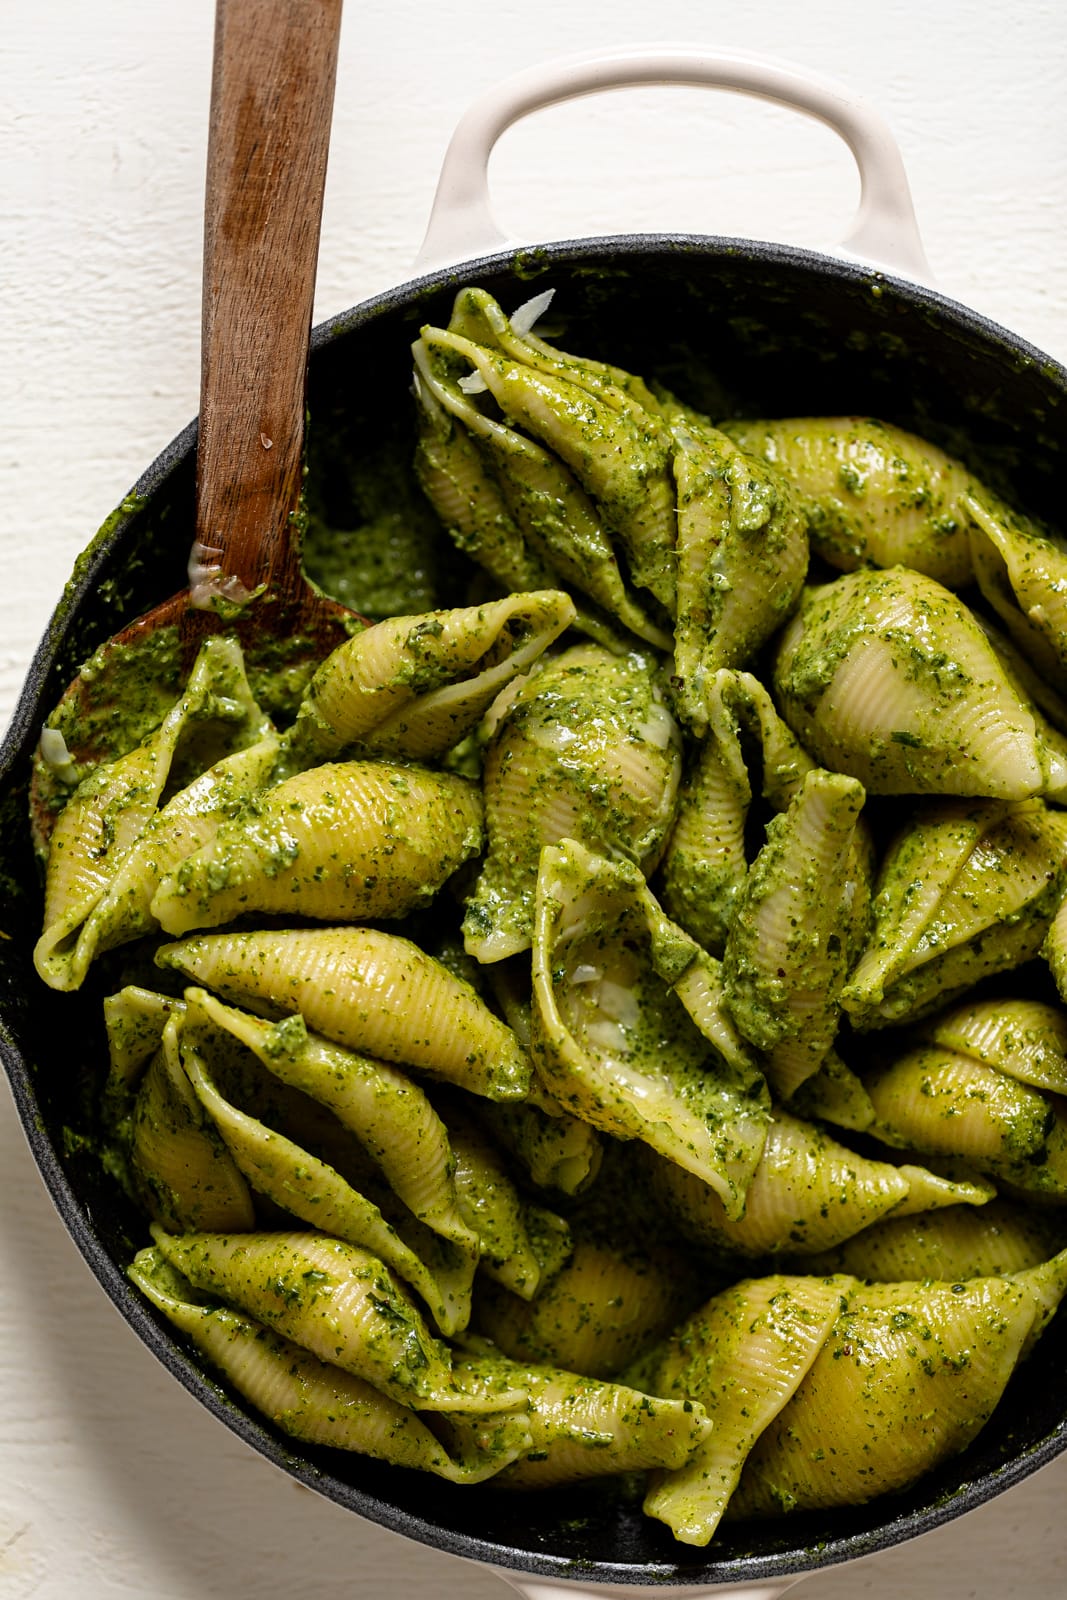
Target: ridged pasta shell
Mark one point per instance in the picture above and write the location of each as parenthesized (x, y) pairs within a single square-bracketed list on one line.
[(582, 1428), (1027, 1039), (469, 502), (742, 1356), (1022, 572), (963, 892), (370, 991), (343, 842), (944, 1103), (606, 1303), (619, 452), (554, 1150), (808, 1193), (519, 1241), (959, 1242), (339, 1302), (834, 1094), (182, 1170), (613, 1041), (318, 1403), (887, 676), (317, 1194), (380, 1106), (874, 494), (101, 823), (742, 560), (188, 821), (476, 315), (706, 858), (558, 520), (413, 687), (134, 1019), (908, 1376), (794, 930), (586, 750)]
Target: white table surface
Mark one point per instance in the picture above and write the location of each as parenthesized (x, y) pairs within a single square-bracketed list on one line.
[(112, 1481)]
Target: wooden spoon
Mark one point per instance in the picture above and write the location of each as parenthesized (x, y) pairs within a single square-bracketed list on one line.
[(271, 106)]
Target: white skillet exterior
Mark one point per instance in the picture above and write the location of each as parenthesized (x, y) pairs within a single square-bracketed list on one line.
[(111, 1483)]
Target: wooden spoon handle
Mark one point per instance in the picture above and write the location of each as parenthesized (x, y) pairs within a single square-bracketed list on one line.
[(271, 107)]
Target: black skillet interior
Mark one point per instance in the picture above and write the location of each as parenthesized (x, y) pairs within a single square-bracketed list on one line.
[(735, 328)]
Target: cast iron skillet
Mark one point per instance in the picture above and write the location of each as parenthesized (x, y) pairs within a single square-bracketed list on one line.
[(735, 326)]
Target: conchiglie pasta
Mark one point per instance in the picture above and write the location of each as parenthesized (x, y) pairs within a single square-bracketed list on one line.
[(413, 687), (808, 1192), (742, 1356), (616, 1044), (112, 808), (908, 1376), (337, 1301), (318, 1402), (888, 677), (367, 990), (581, 1428), (742, 559), (874, 495), (343, 842), (585, 750)]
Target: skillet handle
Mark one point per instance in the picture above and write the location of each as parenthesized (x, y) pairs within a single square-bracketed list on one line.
[(884, 231), (535, 1589)]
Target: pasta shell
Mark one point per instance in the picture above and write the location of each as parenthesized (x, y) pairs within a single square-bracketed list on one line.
[(367, 990), (620, 453), (317, 1194), (186, 823), (582, 1428), (1022, 572), (388, 1113), (943, 1103), (959, 1242), (613, 1041), (554, 1150), (908, 1376), (343, 842), (873, 494), (519, 1241), (586, 750), (742, 560), (101, 823), (558, 520), (808, 1193), (742, 1356), (591, 1316), (469, 501), (887, 676), (963, 892), (476, 315), (792, 936), (338, 1302), (134, 1019), (319, 1403), (706, 858), (183, 1172), (1027, 1039), (413, 687)]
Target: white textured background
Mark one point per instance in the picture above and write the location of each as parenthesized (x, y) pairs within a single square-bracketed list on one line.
[(113, 1483)]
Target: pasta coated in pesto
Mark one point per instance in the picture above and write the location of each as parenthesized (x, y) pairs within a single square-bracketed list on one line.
[(314, 841), (587, 750), (319, 1402), (686, 1001)]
